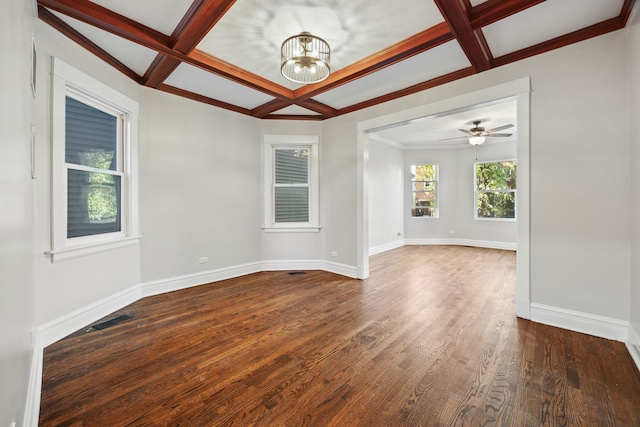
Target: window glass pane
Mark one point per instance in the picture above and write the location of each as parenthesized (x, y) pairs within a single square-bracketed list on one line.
[(291, 204), (424, 199), (431, 212), (424, 186), (93, 203), (423, 172), (90, 136), (496, 176), (292, 166), (497, 205)]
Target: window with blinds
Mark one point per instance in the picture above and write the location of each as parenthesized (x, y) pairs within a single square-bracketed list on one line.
[(291, 201), (291, 185), (94, 169)]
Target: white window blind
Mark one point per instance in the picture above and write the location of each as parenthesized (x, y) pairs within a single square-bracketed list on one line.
[(291, 187), (94, 175)]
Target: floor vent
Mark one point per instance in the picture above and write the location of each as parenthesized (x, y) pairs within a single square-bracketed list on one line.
[(293, 273), (112, 322)]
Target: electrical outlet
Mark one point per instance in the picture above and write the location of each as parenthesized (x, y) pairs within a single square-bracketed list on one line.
[(13, 424), (452, 231), (203, 259), (334, 253)]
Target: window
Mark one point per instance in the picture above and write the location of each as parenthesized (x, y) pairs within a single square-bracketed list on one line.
[(424, 186), (291, 177), (94, 149), (495, 190)]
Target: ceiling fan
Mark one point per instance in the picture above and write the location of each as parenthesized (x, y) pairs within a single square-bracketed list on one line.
[(477, 134)]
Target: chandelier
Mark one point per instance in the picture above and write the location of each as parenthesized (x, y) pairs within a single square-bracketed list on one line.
[(305, 59)]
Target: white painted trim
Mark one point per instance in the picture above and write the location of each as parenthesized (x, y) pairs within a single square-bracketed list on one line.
[(341, 269), (32, 408), (633, 345), (586, 323), (59, 328), (507, 246), (386, 247), (176, 283)]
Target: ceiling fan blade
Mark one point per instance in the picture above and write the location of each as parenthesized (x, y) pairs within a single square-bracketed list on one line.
[(465, 131), (499, 134), (500, 128), (457, 137)]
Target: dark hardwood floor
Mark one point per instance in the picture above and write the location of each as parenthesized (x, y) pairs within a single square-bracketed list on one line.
[(431, 339)]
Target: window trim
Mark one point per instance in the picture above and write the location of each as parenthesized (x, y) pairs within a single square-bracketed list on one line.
[(271, 143), (475, 192), (437, 191), (68, 81)]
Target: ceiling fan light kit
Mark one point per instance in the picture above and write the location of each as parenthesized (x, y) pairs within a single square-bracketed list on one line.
[(476, 140), (305, 59)]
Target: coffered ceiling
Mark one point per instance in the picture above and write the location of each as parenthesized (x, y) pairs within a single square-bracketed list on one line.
[(227, 52)]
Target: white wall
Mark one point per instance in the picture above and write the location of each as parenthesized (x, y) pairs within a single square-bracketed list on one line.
[(456, 196), (633, 50), (579, 254), (386, 194), (200, 192), (16, 208), (66, 286)]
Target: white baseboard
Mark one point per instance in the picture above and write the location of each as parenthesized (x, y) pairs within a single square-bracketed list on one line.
[(633, 345), (386, 247), (591, 324), (59, 328), (464, 242), (341, 269), (32, 408), (171, 284)]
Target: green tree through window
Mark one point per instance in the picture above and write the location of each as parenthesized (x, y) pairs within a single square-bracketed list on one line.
[(496, 190)]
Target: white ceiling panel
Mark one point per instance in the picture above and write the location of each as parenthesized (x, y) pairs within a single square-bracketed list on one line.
[(433, 63), (162, 15), (428, 132), (134, 56), (250, 34), (198, 81), (546, 21), (296, 110)]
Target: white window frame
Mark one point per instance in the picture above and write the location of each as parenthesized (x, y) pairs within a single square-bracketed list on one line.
[(437, 191), (271, 143), (68, 81), (476, 191)]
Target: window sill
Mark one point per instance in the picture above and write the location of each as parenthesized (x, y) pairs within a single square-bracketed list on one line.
[(78, 251), (315, 229)]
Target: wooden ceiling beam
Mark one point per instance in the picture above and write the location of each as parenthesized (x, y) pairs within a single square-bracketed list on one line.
[(100, 17), (204, 99), (407, 48), (57, 23), (595, 30), (194, 26), (224, 69), (269, 107), (494, 10), (456, 75), (456, 16)]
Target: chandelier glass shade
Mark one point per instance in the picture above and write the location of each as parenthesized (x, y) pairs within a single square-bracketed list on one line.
[(305, 59)]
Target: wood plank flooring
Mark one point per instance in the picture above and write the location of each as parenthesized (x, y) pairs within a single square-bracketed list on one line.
[(430, 339)]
